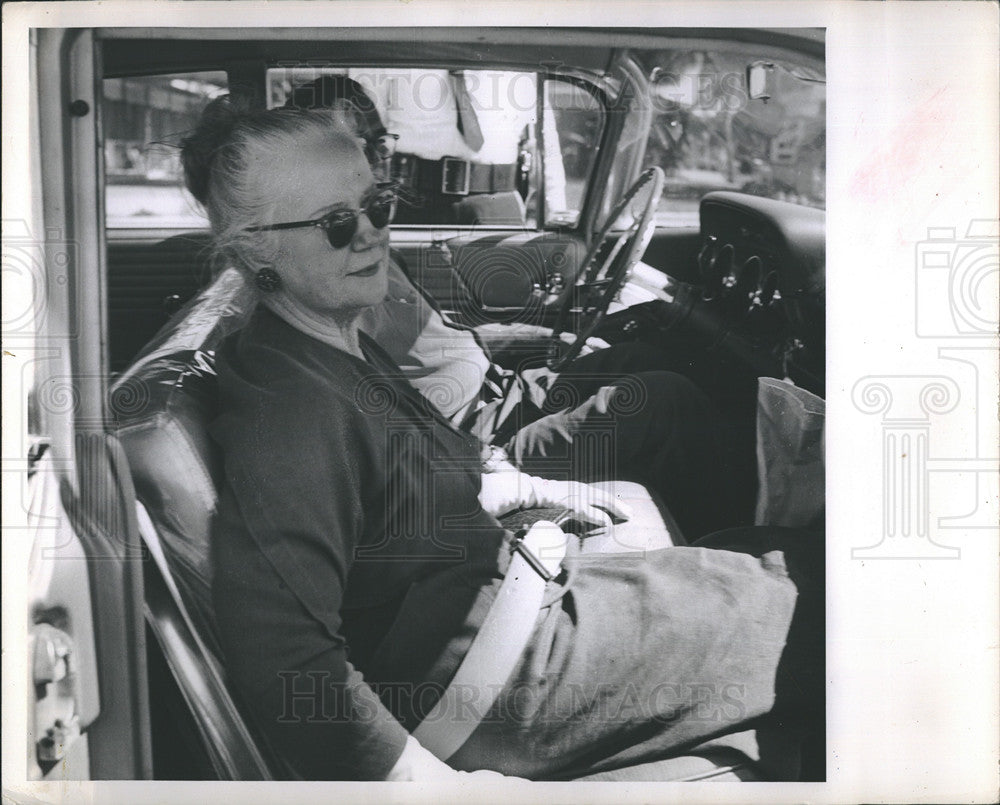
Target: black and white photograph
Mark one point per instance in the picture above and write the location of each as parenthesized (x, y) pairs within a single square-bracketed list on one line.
[(455, 395)]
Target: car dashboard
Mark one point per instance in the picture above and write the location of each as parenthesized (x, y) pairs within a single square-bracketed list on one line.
[(756, 298)]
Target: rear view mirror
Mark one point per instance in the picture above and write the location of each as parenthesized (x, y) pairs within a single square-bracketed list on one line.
[(760, 79)]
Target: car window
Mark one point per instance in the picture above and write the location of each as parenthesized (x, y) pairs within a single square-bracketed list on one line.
[(144, 120), (708, 134), (533, 146), (513, 142)]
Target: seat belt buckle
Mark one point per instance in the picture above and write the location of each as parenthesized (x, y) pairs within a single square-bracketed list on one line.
[(456, 175), (530, 542)]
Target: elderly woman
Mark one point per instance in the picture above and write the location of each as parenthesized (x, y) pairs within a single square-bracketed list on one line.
[(357, 552)]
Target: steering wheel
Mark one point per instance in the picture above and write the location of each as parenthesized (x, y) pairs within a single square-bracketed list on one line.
[(602, 277)]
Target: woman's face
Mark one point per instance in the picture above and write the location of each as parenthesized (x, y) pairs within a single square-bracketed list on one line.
[(318, 279)]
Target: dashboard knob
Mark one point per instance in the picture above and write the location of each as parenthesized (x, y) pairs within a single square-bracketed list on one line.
[(719, 269), (748, 280), (728, 270), (768, 292)]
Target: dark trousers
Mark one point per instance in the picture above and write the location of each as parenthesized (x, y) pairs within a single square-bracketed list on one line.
[(613, 415)]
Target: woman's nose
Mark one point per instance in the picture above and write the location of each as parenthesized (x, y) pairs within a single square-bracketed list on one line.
[(367, 235)]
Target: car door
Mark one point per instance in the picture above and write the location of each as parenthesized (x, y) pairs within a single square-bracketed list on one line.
[(87, 710)]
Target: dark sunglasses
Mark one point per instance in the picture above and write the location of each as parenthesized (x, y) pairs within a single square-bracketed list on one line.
[(341, 225)]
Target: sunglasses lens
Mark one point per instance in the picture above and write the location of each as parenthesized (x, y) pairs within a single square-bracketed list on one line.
[(342, 225), (340, 228), (381, 210)]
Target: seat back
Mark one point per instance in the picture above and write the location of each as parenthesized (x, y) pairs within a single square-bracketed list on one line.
[(162, 406), (148, 283)]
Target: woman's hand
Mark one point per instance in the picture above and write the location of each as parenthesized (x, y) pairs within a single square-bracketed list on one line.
[(419, 765), (589, 505), (509, 490), (505, 491)]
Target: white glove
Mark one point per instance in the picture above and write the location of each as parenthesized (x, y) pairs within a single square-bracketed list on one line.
[(504, 491), (509, 490), (589, 505), (418, 764)]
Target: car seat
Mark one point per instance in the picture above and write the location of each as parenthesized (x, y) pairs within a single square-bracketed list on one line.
[(162, 407), (148, 283)]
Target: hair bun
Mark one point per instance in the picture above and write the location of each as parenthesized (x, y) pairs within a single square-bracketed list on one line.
[(214, 131)]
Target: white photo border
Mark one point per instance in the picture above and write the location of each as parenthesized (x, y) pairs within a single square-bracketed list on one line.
[(912, 173)]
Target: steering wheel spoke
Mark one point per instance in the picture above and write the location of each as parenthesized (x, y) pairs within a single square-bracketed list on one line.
[(605, 269)]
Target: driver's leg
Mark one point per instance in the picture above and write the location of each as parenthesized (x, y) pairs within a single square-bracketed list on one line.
[(653, 427), (733, 395), (585, 375), (582, 378)]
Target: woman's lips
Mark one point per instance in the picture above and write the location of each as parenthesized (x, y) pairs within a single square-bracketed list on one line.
[(368, 271)]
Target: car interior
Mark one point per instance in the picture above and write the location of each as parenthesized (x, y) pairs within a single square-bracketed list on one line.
[(732, 293)]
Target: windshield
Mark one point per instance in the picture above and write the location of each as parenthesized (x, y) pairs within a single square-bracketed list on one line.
[(708, 134)]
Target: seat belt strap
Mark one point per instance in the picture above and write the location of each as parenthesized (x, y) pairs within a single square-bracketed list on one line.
[(497, 646)]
